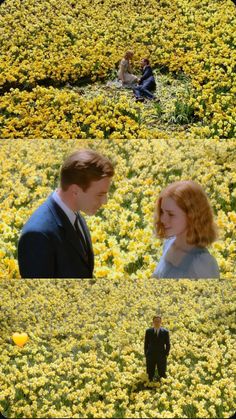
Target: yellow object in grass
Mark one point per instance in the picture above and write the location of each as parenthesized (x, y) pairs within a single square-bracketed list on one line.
[(20, 339)]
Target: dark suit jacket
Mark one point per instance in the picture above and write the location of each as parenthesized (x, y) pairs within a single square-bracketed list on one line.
[(148, 79), (157, 345), (49, 246)]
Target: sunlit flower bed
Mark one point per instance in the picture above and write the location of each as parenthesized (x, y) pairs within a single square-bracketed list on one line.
[(57, 41), (84, 357), (53, 113), (122, 231)]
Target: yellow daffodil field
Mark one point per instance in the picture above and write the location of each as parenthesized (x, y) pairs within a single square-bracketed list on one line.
[(122, 230), (84, 357), (50, 48)]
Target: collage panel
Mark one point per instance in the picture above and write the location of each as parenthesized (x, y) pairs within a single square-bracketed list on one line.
[(167, 212), (107, 69), (89, 349)]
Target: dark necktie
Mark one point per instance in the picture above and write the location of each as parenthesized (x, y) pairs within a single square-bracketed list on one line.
[(81, 236)]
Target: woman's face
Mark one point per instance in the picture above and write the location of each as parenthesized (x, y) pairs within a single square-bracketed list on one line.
[(173, 218)]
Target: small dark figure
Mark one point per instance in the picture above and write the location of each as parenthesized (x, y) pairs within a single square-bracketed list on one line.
[(156, 348), (147, 82)]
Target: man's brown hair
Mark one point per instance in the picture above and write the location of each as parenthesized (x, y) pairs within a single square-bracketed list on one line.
[(83, 167), (156, 317)]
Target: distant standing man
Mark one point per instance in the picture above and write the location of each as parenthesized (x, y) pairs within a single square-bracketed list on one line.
[(156, 348), (55, 242)]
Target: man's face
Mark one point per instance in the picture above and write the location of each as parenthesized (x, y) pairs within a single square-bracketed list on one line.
[(157, 322), (94, 197), (143, 63)]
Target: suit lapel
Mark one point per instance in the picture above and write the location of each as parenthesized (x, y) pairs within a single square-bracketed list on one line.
[(65, 224), (87, 238), (86, 231), (73, 238), (159, 333)]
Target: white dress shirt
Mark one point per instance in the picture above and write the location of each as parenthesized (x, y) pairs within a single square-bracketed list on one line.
[(69, 213)]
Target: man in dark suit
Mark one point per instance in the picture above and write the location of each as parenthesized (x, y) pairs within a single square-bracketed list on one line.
[(156, 348), (147, 83), (55, 242)]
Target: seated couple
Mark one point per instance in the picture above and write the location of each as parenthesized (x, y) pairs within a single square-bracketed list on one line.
[(55, 242), (143, 87)]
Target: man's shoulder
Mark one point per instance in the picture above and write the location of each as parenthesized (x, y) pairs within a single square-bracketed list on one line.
[(40, 220), (149, 69), (164, 330), (149, 329)]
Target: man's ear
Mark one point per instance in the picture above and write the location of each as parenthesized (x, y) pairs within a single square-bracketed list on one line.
[(74, 189)]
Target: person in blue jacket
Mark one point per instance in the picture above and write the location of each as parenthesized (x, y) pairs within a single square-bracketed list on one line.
[(55, 242), (146, 84)]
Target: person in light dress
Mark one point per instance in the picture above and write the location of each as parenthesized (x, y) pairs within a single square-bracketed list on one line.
[(184, 218), (125, 74)]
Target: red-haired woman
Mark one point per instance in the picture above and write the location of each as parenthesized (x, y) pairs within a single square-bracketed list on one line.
[(184, 217), (125, 70)]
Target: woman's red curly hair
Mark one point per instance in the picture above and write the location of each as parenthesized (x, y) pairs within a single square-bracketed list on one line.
[(192, 199)]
